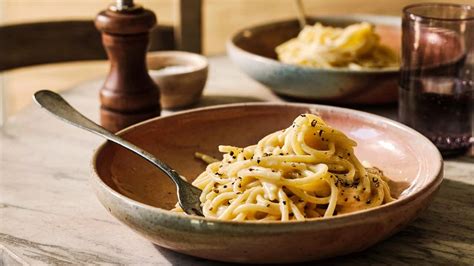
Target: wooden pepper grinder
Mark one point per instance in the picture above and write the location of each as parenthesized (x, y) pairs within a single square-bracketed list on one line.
[(128, 95)]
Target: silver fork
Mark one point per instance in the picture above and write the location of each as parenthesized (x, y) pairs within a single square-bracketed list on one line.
[(188, 195)]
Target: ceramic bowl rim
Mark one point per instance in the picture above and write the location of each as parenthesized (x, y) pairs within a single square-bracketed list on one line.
[(331, 222), (199, 62), (388, 20)]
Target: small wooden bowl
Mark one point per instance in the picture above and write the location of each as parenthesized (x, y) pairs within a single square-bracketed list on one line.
[(140, 196), (181, 77)]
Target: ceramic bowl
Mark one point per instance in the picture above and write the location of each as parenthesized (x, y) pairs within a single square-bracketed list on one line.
[(181, 77), (140, 196), (253, 50)]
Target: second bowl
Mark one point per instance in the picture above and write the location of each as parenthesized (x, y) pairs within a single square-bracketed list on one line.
[(253, 50)]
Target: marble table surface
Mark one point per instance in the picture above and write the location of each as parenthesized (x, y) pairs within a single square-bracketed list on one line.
[(49, 213)]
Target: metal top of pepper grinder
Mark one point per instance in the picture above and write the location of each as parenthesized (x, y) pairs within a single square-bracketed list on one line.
[(128, 95), (124, 6)]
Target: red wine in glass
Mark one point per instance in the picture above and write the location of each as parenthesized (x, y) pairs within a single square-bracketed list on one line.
[(436, 95)]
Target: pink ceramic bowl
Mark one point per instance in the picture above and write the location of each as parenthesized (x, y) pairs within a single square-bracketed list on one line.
[(140, 196)]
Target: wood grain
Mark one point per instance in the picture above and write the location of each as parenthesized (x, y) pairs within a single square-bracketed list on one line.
[(49, 213)]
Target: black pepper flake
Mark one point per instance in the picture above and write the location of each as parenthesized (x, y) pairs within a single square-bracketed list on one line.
[(281, 153), (284, 202), (320, 132), (273, 171), (231, 153), (303, 115), (258, 160), (233, 157), (250, 169), (345, 199), (357, 198), (268, 205), (367, 202), (240, 185), (225, 186), (210, 208), (355, 183), (313, 123), (348, 154), (216, 190), (245, 158)]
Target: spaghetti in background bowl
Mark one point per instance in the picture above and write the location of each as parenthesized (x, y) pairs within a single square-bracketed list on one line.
[(141, 197), (253, 50)]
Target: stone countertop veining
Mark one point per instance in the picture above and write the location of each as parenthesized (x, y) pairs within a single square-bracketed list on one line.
[(50, 215)]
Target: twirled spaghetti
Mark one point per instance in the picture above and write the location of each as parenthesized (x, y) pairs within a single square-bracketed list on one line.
[(308, 170), (355, 47)]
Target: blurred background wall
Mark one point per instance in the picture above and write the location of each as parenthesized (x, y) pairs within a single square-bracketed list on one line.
[(220, 19)]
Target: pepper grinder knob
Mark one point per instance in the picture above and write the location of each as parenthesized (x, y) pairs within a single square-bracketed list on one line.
[(128, 95)]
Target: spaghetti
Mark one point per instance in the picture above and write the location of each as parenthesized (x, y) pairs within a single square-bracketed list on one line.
[(355, 47), (308, 170)]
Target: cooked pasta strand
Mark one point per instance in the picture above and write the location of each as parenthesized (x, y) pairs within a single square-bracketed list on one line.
[(308, 170)]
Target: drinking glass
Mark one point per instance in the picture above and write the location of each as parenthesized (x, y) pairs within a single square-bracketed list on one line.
[(437, 73)]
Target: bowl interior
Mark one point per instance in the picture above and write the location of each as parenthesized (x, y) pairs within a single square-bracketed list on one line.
[(262, 40), (162, 59), (409, 159)]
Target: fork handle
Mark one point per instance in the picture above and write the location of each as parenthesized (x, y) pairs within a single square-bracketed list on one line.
[(56, 105)]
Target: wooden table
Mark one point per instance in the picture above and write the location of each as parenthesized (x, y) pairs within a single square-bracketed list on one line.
[(49, 214)]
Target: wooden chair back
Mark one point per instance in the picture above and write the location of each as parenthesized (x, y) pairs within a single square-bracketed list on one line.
[(30, 44), (74, 40), (62, 41)]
